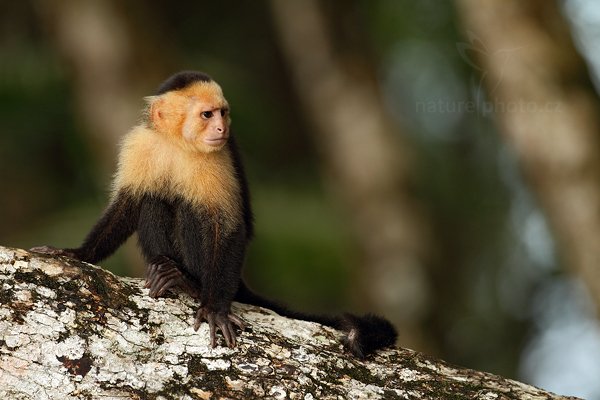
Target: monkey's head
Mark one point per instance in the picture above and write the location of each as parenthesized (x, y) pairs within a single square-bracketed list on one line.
[(190, 109)]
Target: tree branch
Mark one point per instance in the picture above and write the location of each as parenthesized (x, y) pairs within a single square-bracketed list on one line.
[(72, 330)]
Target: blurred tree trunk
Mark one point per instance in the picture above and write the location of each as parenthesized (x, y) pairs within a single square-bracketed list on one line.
[(113, 60), (112, 63), (364, 159), (548, 111)]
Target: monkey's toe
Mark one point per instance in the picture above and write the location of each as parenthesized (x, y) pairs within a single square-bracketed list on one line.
[(225, 322)]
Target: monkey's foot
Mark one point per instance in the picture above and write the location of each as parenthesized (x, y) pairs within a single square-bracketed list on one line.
[(224, 321), (165, 274), (53, 251)]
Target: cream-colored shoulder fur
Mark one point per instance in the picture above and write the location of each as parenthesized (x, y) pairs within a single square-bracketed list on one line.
[(150, 163)]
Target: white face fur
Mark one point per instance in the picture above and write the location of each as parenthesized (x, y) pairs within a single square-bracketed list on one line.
[(197, 117), (207, 123)]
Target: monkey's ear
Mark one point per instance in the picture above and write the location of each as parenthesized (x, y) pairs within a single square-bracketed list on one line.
[(155, 110)]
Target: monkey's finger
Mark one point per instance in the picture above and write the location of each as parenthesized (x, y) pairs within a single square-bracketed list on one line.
[(200, 316), (151, 270), (148, 282), (151, 275), (225, 327), (46, 250), (166, 284), (162, 283), (237, 321), (228, 334), (213, 331), (232, 338), (164, 287), (161, 266), (42, 249), (53, 251), (168, 273)]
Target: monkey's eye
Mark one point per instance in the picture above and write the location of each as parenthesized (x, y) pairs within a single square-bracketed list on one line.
[(207, 114), (224, 111)]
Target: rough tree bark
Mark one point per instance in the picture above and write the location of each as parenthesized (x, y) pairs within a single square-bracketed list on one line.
[(367, 165), (548, 111), (70, 330)]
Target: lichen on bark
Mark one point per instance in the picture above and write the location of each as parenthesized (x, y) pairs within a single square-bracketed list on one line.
[(70, 330)]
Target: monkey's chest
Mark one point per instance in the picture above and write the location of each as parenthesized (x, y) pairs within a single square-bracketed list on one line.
[(210, 229), (208, 181), (220, 194)]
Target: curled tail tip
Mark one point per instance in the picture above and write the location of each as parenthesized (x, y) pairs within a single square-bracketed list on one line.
[(367, 333)]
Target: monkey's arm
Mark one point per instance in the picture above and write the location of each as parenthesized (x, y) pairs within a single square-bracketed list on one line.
[(156, 239), (117, 223)]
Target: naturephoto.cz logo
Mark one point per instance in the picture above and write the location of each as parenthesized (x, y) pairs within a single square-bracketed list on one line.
[(485, 101)]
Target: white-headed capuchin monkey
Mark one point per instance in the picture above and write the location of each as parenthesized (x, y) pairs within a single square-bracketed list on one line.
[(181, 185)]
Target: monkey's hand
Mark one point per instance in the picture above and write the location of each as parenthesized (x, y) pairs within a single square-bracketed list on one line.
[(53, 251), (225, 321), (165, 274)]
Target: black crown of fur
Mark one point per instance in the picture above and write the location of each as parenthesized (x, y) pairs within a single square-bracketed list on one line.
[(182, 80)]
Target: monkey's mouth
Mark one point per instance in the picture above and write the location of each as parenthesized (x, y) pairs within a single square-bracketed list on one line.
[(216, 141)]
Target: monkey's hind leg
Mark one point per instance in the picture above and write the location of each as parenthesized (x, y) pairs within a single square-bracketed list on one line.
[(165, 274)]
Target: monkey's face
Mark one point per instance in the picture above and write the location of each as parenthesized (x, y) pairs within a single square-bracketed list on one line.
[(197, 118), (206, 125)]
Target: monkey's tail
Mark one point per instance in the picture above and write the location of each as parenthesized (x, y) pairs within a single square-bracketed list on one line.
[(364, 334)]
